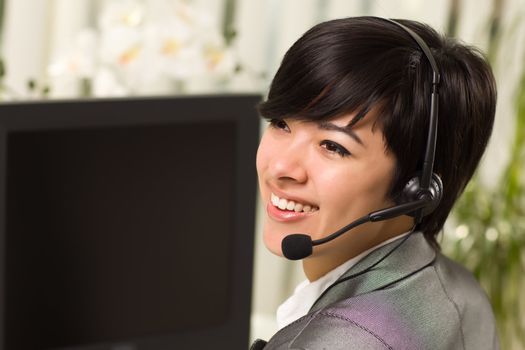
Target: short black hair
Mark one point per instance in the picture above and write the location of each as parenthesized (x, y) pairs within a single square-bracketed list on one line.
[(352, 65)]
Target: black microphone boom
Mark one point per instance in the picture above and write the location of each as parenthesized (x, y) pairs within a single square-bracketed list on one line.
[(299, 246)]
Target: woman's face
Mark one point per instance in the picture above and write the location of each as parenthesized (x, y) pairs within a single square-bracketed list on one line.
[(316, 177)]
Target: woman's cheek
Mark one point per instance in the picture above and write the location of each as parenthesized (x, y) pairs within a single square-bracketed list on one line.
[(263, 152)]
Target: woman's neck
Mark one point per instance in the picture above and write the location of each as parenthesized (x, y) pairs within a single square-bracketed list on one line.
[(328, 256)]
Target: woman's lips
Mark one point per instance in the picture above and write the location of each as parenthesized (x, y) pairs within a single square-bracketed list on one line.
[(285, 215)]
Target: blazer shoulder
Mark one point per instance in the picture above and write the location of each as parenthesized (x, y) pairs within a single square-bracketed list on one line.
[(478, 324)]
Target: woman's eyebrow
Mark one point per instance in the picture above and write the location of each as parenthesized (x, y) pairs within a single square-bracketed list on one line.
[(347, 130)]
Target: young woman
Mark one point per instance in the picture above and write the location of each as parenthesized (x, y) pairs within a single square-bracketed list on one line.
[(352, 111)]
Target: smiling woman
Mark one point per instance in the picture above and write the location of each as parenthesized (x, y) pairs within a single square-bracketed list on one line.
[(334, 177), (353, 123)]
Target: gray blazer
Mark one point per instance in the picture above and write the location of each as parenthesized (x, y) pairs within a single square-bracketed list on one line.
[(414, 299)]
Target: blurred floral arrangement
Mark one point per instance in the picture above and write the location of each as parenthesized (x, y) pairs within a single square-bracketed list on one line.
[(144, 47)]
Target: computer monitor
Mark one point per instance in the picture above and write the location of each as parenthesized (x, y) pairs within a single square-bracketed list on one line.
[(127, 224)]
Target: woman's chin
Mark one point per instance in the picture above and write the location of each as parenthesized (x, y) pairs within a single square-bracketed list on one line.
[(272, 242)]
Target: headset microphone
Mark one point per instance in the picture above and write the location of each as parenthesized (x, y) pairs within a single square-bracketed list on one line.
[(299, 246), (421, 194)]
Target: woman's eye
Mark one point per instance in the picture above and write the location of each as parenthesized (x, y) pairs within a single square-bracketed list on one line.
[(334, 147), (279, 124)]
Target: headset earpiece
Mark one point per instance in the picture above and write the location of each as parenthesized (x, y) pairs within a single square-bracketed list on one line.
[(413, 192)]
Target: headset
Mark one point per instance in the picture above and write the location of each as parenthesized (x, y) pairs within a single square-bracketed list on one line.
[(420, 196)]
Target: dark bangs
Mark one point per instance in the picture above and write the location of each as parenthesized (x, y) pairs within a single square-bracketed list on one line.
[(334, 70), (352, 65)]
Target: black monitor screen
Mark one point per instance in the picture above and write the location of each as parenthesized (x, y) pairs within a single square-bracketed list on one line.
[(122, 236)]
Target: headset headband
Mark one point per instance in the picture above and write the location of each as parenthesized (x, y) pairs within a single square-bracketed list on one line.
[(428, 162)]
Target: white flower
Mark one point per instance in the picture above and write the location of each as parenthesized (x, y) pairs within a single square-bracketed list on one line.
[(105, 83), (80, 61), (122, 13), (148, 47), (219, 61), (121, 46), (170, 49)]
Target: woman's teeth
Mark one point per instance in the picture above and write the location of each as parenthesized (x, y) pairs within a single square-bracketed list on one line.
[(285, 204)]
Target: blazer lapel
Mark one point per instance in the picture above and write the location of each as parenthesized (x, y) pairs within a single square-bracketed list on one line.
[(413, 255)]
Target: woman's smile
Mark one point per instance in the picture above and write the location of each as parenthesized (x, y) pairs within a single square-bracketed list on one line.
[(292, 205), (283, 210)]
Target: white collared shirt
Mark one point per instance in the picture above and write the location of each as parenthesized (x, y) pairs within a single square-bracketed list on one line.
[(306, 293)]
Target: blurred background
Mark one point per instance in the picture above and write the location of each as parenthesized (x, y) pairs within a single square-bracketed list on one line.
[(58, 49)]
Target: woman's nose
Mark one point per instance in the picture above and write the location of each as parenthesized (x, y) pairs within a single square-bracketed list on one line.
[(288, 165)]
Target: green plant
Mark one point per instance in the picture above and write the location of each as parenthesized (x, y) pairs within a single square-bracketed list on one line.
[(490, 236)]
